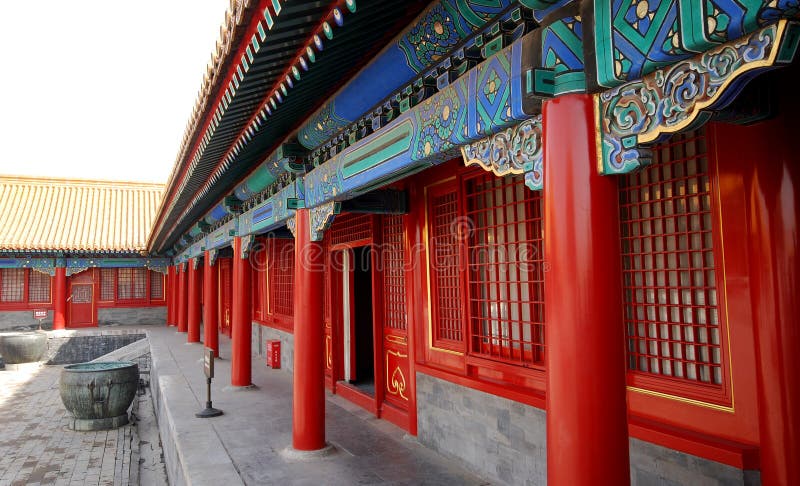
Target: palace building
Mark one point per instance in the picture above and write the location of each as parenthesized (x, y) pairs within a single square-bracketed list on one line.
[(77, 249), (556, 240)]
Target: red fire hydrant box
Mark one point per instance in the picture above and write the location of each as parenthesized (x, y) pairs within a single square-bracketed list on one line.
[(274, 353)]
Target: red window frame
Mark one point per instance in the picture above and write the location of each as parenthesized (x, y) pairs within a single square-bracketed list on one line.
[(280, 274), (665, 347), (445, 264), (500, 375), (108, 284), (39, 288), (135, 287), (156, 292), (25, 302), (393, 258), (13, 286), (504, 311), (108, 287)]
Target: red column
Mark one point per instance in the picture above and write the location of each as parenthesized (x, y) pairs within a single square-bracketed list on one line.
[(210, 324), (193, 309), (587, 434), (308, 421), (60, 298), (241, 322), (775, 264), (770, 166), (170, 294), (182, 301)]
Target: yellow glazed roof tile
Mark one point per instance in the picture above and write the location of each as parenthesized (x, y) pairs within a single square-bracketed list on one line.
[(76, 215)]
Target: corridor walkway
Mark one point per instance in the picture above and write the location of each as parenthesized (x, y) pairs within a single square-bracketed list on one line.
[(245, 444)]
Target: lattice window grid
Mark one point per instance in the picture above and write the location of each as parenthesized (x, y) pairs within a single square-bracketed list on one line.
[(281, 277), (107, 284), (669, 269), (12, 281), (505, 274), (395, 314), (445, 268), (156, 286), (38, 287), (347, 228)]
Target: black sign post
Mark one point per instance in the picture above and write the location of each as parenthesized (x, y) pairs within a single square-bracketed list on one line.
[(208, 368)]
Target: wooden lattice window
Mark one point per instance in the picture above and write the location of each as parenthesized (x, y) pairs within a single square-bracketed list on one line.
[(444, 228), (107, 284), (395, 314), (38, 287), (12, 284), (132, 284), (156, 286), (672, 315), (281, 276), (505, 275), (347, 228)]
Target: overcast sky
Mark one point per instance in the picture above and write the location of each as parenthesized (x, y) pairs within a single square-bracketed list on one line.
[(100, 88)]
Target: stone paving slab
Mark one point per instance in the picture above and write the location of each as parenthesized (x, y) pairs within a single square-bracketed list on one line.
[(257, 427), (37, 447)]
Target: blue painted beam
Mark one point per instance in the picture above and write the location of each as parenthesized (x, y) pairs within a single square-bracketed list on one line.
[(492, 96), (431, 37)]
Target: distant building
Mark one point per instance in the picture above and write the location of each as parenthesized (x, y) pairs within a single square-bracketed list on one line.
[(78, 249)]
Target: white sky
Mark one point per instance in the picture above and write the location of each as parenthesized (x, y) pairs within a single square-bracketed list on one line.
[(100, 88)]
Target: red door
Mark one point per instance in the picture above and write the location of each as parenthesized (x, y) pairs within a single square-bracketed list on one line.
[(225, 291), (81, 301)]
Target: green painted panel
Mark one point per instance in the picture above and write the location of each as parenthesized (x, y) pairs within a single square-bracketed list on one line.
[(384, 147)]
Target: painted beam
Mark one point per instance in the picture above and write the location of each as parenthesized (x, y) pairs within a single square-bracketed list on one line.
[(47, 264), (44, 265), (217, 212), (638, 114), (428, 39), (633, 39), (492, 96), (222, 236), (142, 262), (283, 159), (273, 212)]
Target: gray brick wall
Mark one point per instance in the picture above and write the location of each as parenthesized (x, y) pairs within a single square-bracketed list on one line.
[(86, 347), (260, 336), (506, 441), (494, 437), (18, 320), (132, 315)]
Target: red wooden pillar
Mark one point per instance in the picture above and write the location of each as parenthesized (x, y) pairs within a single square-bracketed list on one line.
[(170, 295), (182, 302), (241, 322), (210, 322), (770, 167), (193, 305), (60, 298), (308, 421), (587, 434)]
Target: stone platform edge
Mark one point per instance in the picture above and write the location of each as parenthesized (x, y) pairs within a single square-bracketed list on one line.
[(193, 452)]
